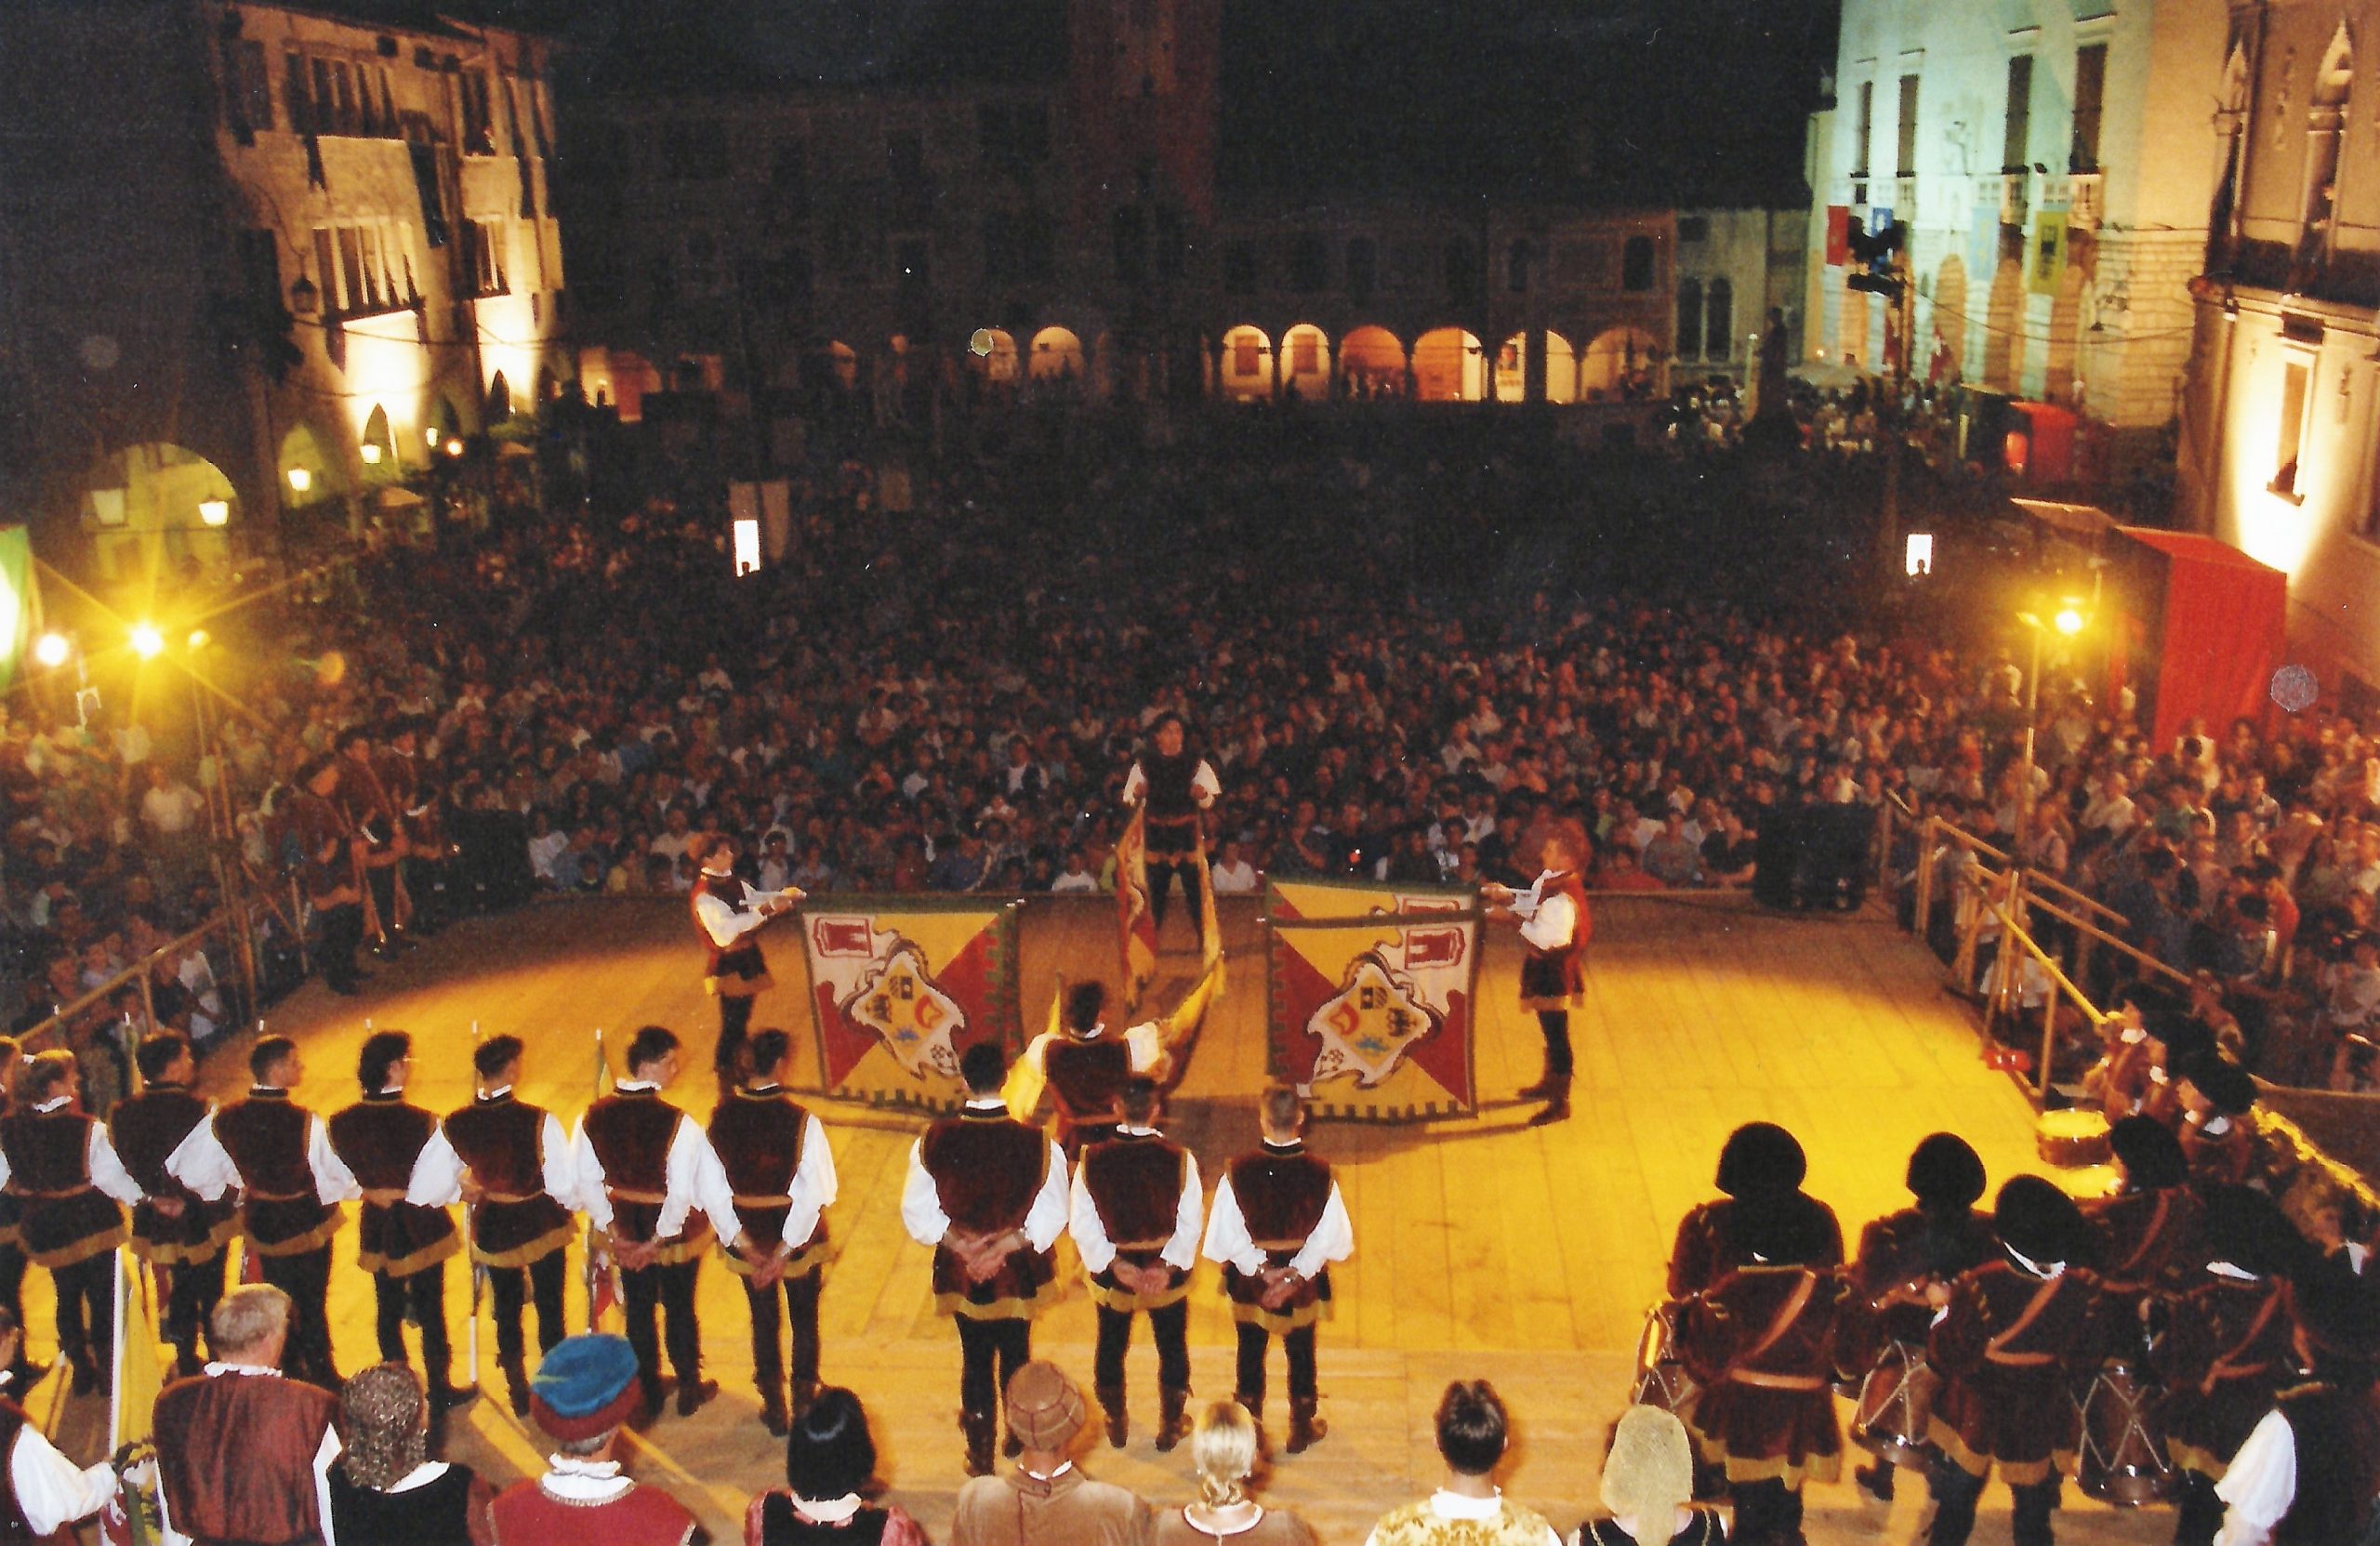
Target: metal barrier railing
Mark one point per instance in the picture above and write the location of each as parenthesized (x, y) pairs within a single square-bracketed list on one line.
[(228, 926)]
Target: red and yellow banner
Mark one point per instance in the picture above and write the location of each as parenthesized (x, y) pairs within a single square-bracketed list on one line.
[(1135, 923), (900, 987), (1371, 998)]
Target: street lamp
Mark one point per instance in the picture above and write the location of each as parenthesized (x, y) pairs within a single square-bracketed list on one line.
[(301, 480), (147, 642), (51, 649), (214, 512), (2068, 621)]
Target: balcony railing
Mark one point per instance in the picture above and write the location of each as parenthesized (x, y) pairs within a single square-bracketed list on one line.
[(2013, 195)]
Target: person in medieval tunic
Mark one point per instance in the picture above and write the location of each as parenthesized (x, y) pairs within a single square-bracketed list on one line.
[(243, 1453), (728, 914), (180, 1234), (1047, 1497), (1276, 1223), (63, 1172), (2218, 1097), (586, 1390), (2144, 1229), (1135, 1218), (1174, 787), (988, 1194), (1088, 1068), (1555, 930), (2310, 1472), (317, 825), (1760, 1171), (47, 1492)]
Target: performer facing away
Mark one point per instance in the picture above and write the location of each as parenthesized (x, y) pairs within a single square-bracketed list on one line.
[(279, 1154), (174, 1229), (509, 1160), (1903, 1255), (989, 1195), (1135, 1223), (327, 871), (781, 1176), (729, 914), (1760, 1169), (1088, 1066), (403, 1244), (64, 1173), (1173, 787), (643, 1168), (1555, 928), (2010, 1338), (1276, 1224), (243, 1454), (2143, 1229), (45, 1491), (2310, 1472)]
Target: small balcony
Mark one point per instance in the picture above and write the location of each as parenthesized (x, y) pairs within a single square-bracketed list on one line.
[(2014, 197)]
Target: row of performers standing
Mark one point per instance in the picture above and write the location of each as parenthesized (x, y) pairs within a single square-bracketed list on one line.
[(365, 830), (2265, 1348), (659, 1191)]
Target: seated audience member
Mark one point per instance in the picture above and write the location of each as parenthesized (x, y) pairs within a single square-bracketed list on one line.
[(1469, 1506), (1222, 1449), (830, 1464), (1046, 1501), (243, 1453), (385, 1487), (1648, 1487), (582, 1393)]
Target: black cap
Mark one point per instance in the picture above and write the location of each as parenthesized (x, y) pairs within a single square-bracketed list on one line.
[(2246, 1228), (2225, 1086), (1761, 1158), (1945, 1171), (2151, 1155), (2037, 1222), (2339, 1321), (1783, 1230), (2187, 1041)]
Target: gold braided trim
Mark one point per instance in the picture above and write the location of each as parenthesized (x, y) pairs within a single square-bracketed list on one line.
[(1743, 1472), (384, 1196), (746, 987), (406, 1267), (802, 1263), (175, 1254), (2014, 1473), (82, 1249), (297, 1244), (1281, 1320), (1125, 1302), (641, 1199), (535, 1251), (2189, 1457), (689, 1249), (1013, 1307), (1762, 1379)]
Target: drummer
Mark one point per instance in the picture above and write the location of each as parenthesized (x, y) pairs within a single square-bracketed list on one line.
[(2217, 1097), (2143, 1227), (2175, 1043), (1761, 1169), (1901, 1256), (2011, 1335), (2120, 1079)]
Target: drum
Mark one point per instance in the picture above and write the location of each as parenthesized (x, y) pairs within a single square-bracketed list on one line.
[(2124, 1452), (1896, 1400), (2072, 1138), (1662, 1379)]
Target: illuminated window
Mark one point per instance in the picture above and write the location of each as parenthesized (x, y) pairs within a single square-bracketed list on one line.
[(1246, 352), (1305, 352), (2288, 448), (747, 548)]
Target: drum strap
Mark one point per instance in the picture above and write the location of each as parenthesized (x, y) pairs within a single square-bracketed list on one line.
[(1778, 1328), (2229, 1366), (2150, 1237), (1996, 1350)]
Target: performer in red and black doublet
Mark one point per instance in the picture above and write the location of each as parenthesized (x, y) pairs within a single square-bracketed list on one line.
[(373, 818), (2218, 1097), (2225, 1348), (174, 1230), (1135, 1217), (1173, 787), (2120, 1081), (425, 865), (780, 1175), (66, 1177), (1088, 1066), (1555, 930), (1762, 1342), (1761, 1169), (403, 1244), (319, 828), (23, 1373), (1276, 1224), (728, 914), (1901, 1256), (509, 1161), (989, 1195), (278, 1154), (2144, 1230), (643, 1168), (2011, 1338), (2310, 1472)]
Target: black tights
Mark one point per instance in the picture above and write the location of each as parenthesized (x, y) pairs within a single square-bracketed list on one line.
[(1555, 1023)]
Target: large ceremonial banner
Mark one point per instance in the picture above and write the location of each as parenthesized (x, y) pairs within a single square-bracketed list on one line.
[(900, 986), (1370, 996), (1135, 923)]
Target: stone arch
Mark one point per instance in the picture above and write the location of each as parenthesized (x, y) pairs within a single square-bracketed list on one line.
[(1246, 363), (1372, 362), (1561, 369), (991, 354), (1448, 366), (1950, 312), (499, 400), (378, 445), (1306, 361), (1056, 356), (304, 459), (1620, 363), (147, 507)]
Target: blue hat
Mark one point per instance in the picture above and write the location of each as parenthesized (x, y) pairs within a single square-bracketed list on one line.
[(586, 1387)]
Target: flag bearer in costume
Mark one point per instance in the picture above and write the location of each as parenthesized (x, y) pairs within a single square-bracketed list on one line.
[(1902, 1255), (728, 914), (587, 1388), (644, 1169), (1760, 1341), (511, 1161), (1173, 787), (1135, 1221), (67, 1180), (2010, 1338), (1088, 1068), (989, 1195), (2225, 1351), (403, 1244), (175, 1231), (278, 1154), (1276, 1224), (780, 1175), (1554, 929)]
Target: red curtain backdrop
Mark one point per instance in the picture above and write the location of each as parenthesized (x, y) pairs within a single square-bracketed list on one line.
[(2226, 619)]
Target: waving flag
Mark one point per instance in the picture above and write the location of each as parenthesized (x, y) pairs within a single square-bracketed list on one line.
[(900, 987), (1136, 925), (1372, 999)]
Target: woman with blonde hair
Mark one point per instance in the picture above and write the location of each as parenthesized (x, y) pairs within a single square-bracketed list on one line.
[(1222, 1447), (1648, 1487)]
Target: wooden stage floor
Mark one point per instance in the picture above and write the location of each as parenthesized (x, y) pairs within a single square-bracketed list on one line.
[(1484, 1247)]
